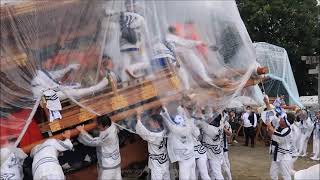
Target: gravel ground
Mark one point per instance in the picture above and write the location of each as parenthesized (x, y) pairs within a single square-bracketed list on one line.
[(246, 163), (254, 163)]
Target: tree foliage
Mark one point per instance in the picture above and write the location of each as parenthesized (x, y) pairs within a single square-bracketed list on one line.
[(293, 25)]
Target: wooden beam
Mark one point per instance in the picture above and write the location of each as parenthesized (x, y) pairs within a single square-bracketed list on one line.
[(115, 118)]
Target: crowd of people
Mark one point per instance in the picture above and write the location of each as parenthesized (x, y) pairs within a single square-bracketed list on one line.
[(193, 137)]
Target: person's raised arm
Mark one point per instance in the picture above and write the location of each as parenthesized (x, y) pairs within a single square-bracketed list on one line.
[(141, 130), (86, 139), (171, 126), (184, 42), (63, 145), (61, 72)]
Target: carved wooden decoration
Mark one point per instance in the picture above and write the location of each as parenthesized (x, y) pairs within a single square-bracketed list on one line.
[(118, 102), (148, 91), (175, 81), (85, 115), (55, 126)]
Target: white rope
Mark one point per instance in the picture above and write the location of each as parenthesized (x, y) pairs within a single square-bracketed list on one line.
[(34, 109), (91, 110), (98, 114), (78, 103)]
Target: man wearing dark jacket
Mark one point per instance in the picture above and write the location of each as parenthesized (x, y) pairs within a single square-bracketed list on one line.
[(249, 123)]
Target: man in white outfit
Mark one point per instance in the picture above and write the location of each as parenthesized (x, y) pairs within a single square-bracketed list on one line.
[(293, 139), (163, 54), (249, 123), (183, 46), (280, 150), (199, 150), (45, 163), (155, 136), (180, 143), (212, 134), (107, 144), (12, 159), (306, 127), (133, 31), (227, 132), (45, 80), (316, 138)]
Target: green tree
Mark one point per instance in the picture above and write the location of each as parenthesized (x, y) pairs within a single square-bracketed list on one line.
[(293, 25)]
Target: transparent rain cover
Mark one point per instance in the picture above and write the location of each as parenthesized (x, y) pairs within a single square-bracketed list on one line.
[(71, 46)]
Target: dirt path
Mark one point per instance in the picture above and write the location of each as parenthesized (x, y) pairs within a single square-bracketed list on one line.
[(246, 164), (254, 163)]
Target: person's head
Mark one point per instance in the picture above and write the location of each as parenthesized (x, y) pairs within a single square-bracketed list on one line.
[(172, 30), (132, 6), (232, 113), (283, 122), (291, 118), (155, 121), (248, 109), (107, 62), (103, 122), (215, 121), (186, 100), (172, 108), (302, 114), (282, 97), (318, 115)]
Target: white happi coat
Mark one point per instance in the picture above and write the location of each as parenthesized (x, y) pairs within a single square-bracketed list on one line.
[(316, 139), (11, 163), (280, 146), (162, 51), (157, 148), (295, 135), (280, 149), (45, 163), (180, 143), (53, 104), (136, 22), (199, 149), (306, 128), (191, 59), (107, 144), (212, 140)]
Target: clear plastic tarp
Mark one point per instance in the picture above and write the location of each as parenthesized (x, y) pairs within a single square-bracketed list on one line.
[(64, 50), (280, 79)]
